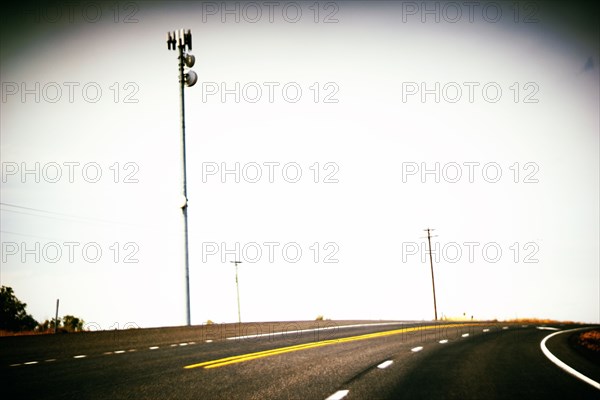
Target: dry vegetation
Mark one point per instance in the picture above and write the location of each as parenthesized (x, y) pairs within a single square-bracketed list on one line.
[(33, 332), (22, 333), (530, 321), (590, 340), (538, 321)]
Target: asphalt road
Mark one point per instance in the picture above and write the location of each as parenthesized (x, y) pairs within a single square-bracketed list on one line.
[(303, 360)]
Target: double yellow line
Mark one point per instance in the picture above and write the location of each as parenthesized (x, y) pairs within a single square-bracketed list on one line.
[(282, 350)]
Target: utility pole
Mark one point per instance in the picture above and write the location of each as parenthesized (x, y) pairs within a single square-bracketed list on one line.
[(432, 278), (56, 318), (237, 287), (180, 40)]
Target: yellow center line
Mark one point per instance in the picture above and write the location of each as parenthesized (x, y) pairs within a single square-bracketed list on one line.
[(282, 350)]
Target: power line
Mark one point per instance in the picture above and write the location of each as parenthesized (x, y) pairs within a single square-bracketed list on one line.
[(33, 209), (70, 217), (90, 219), (32, 236)]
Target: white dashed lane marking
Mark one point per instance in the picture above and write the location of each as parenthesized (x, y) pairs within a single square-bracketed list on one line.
[(385, 364), (465, 335), (106, 353), (340, 394)]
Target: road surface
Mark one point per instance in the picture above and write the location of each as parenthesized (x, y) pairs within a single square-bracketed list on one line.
[(299, 360)]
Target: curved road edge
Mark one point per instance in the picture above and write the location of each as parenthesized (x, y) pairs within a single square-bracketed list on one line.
[(563, 365)]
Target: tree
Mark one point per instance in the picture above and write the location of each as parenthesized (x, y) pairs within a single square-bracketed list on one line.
[(72, 324), (13, 316), (43, 326), (66, 324)]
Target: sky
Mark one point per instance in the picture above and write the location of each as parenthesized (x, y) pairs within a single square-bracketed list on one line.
[(321, 140)]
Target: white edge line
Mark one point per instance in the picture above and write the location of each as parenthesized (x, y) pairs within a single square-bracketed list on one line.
[(340, 394), (547, 328), (385, 364), (561, 364), (324, 328)]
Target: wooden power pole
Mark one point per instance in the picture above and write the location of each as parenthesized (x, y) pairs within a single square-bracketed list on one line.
[(56, 317), (432, 278), (237, 288)]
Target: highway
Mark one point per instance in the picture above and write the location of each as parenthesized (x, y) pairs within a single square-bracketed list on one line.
[(300, 360)]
